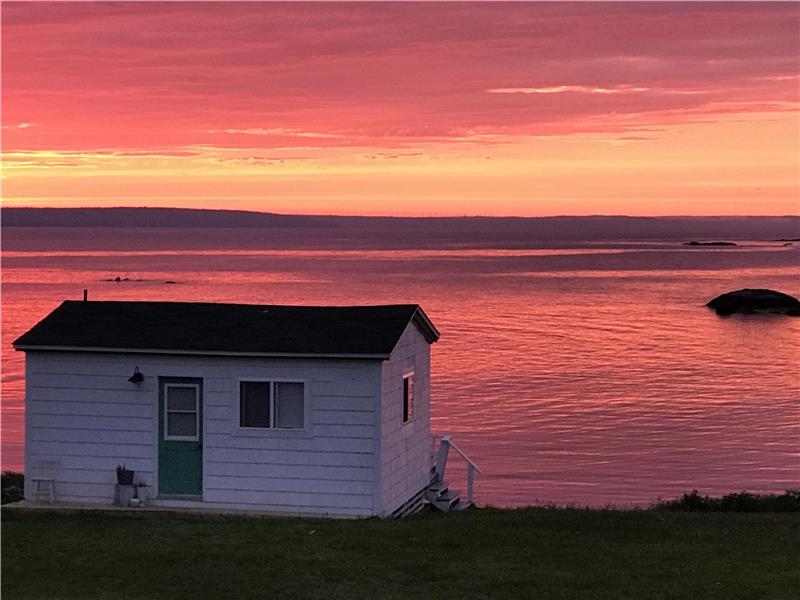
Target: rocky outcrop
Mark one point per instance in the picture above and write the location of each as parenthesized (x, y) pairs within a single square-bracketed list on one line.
[(749, 301), (710, 244)]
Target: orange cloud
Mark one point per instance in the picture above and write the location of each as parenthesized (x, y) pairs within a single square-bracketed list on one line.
[(519, 108)]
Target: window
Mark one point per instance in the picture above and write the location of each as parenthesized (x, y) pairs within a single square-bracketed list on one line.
[(181, 412), (254, 404), (271, 404), (408, 397)]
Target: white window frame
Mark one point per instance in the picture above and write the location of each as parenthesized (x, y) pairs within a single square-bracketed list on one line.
[(408, 375), (272, 429), (197, 400)]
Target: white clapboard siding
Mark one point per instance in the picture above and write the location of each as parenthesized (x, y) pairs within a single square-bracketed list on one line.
[(43, 393), (72, 382), (284, 484), (326, 502), (104, 466), (70, 491), (218, 399), (118, 436), (211, 366), (349, 403), (90, 409), (82, 410), (105, 476), (93, 423), (344, 417), (405, 447), (218, 412), (352, 430), (288, 509), (235, 456), (276, 443), (37, 449), (284, 471)]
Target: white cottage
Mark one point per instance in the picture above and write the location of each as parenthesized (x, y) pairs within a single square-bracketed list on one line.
[(295, 409)]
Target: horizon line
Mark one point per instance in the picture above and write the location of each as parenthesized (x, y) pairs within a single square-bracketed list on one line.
[(389, 216)]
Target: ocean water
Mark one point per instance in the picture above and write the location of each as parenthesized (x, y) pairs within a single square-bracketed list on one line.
[(585, 373)]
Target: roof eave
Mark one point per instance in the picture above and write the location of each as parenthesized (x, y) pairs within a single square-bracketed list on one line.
[(425, 325), (183, 352)]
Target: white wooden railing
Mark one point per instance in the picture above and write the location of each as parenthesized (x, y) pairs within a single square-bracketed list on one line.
[(446, 443)]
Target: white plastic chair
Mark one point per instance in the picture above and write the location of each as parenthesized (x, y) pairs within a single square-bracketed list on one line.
[(44, 471)]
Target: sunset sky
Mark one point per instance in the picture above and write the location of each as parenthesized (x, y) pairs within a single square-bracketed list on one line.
[(397, 109)]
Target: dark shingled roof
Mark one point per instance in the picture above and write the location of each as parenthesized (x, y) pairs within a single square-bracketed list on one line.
[(193, 327)]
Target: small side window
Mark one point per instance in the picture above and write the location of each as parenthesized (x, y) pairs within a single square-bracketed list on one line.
[(408, 397)]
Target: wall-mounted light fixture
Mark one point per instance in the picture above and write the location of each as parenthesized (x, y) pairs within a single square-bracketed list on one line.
[(137, 377)]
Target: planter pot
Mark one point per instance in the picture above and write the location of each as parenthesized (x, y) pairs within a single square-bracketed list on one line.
[(142, 493), (123, 494), (124, 477)]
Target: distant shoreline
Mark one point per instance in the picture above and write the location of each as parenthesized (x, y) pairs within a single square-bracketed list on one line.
[(589, 228), (20, 216)]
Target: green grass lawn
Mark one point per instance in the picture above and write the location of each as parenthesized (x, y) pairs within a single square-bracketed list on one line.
[(529, 553)]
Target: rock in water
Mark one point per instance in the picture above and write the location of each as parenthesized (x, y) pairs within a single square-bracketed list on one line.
[(756, 301), (710, 244)]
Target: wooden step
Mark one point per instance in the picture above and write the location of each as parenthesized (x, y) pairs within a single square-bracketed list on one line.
[(439, 487), (441, 497), (446, 504)]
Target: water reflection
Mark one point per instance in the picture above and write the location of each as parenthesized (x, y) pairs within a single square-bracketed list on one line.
[(584, 375)]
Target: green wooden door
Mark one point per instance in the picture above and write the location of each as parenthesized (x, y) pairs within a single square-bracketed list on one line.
[(180, 436)]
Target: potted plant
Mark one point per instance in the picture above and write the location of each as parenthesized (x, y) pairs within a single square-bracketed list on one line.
[(124, 476)]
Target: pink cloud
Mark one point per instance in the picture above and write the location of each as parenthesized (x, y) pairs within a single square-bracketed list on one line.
[(563, 89), (265, 75)]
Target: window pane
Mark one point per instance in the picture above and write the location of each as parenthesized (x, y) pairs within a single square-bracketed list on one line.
[(254, 404), (182, 424), (408, 398), (289, 405), (181, 398)]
